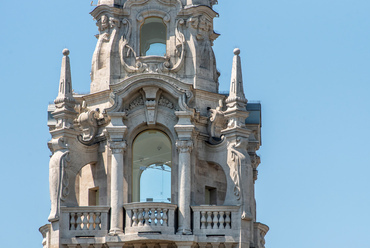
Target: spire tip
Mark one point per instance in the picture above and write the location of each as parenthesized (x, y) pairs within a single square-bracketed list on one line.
[(65, 52), (236, 51)]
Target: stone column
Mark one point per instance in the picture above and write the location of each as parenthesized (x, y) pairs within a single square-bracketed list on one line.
[(184, 147), (116, 221)]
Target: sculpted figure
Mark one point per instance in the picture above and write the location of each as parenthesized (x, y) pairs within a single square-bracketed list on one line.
[(58, 178), (241, 168)]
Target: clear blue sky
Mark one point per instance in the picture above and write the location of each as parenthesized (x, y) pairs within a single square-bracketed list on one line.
[(307, 61)]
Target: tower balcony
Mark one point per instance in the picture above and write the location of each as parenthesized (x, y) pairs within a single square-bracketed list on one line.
[(145, 219), (89, 221), (212, 220), (150, 218)]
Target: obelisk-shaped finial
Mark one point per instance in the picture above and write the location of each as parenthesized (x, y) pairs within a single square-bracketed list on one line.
[(65, 103), (236, 99), (65, 83), (236, 103)]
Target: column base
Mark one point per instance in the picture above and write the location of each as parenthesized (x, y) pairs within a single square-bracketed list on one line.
[(115, 232), (181, 231)]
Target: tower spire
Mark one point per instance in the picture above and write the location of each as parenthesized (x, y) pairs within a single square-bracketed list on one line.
[(236, 99)]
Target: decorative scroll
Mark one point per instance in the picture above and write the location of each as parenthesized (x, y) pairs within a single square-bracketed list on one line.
[(179, 51), (127, 52)]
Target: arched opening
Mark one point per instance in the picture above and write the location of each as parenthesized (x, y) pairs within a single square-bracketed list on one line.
[(153, 36), (151, 171)]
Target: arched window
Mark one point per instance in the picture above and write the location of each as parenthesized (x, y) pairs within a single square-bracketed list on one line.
[(151, 172), (153, 36)]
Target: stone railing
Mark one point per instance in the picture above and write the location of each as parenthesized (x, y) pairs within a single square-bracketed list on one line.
[(215, 220), (84, 221), (150, 217)]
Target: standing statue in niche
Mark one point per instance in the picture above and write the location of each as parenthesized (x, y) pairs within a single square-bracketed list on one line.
[(240, 169)]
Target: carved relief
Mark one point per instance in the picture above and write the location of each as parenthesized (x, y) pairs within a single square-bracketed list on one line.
[(217, 122), (58, 177), (184, 146), (103, 23), (255, 161), (127, 53), (179, 50), (200, 23), (165, 103), (238, 162), (135, 103), (117, 146), (88, 124)]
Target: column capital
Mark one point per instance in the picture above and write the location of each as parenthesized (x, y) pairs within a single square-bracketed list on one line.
[(117, 146), (184, 146)]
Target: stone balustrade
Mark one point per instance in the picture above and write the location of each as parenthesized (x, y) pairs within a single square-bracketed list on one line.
[(215, 220), (84, 221), (150, 217)]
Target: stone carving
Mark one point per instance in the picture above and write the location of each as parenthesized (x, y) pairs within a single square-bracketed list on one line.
[(200, 23), (135, 103), (117, 146), (151, 111), (127, 52), (58, 177), (238, 162), (179, 50), (88, 123), (165, 103), (184, 146), (103, 24), (255, 161), (217, 122)]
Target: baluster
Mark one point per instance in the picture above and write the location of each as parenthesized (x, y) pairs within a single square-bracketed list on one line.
[(72, 223), (215, 220), (209, 220), (97, 221), (84, 222), (203, 220), (222, 220), (140, 217), (79, 221), (227, 220), (146, 217), (154, 217), (164, 217), (91, 221), (134, 217)]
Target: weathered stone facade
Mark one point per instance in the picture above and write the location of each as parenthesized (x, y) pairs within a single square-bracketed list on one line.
[(148, 113)]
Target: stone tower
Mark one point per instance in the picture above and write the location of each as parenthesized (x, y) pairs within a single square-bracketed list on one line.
[(153, 156)]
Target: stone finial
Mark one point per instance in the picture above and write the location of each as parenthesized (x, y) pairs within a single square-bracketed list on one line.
[(236, 99), (65, 98), (65, 103)]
